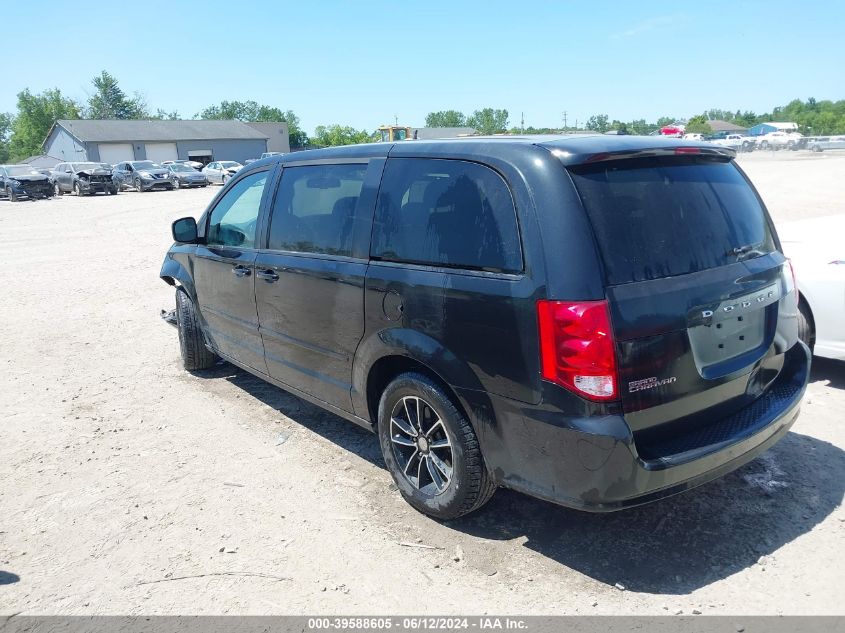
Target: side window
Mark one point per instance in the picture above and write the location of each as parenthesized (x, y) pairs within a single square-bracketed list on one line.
[(446, 212), (315, 209), (233, 221)]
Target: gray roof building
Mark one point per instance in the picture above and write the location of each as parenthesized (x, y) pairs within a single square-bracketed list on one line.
[(724, 126), (113, 141), (278, 136)]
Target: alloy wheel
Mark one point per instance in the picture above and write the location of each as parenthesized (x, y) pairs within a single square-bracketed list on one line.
[(421, 445)]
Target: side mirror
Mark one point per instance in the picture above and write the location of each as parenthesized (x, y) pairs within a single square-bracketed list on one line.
[(185, 230)]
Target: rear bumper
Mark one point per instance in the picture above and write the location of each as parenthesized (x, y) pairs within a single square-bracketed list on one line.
[(593, 463)]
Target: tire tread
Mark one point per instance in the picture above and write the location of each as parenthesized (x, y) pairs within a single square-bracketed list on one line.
[(195, 355)]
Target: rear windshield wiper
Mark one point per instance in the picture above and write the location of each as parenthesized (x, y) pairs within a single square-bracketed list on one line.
[(742, 251)]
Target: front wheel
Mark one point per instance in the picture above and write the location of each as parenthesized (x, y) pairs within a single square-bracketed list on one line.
[(764, 145), (177, 184), (113, 191), (139, 186), (77, 190), (57, 189), (195, 355), (13, 197), (431, 449)]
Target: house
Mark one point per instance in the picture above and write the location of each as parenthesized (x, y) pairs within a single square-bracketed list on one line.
[(724, 126), (112, 141), (775, 126)]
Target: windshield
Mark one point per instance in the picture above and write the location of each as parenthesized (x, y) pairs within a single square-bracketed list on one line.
[(180, 167), (145, 164), (228, 164), (22, 170), (83, 166), (662, 217)]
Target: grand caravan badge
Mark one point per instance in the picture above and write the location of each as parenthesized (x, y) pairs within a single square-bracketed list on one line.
[(649, 383)]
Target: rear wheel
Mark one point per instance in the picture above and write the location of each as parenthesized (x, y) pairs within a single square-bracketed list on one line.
[(806, 331), (195, 355), (431, 449)]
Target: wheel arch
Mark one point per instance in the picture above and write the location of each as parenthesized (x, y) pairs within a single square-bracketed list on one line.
[(388, 353)]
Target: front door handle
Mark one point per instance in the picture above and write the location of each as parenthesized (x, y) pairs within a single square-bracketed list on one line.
[(267, 275), (241, 271)]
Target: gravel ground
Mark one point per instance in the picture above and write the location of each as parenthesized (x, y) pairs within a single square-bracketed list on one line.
[(132, 487)]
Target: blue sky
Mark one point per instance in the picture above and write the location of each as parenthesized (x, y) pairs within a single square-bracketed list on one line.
[(360, 63)]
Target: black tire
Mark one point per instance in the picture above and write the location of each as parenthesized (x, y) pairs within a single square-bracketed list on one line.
[(137, 184), (195, 355), (177, 184), (11, 195), (113, 191), (77, 190), (764, 145), (57, 189), (806, 331), (469, 485)]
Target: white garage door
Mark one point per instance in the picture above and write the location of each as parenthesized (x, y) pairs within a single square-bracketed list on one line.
[(113, 153), (158, 152)]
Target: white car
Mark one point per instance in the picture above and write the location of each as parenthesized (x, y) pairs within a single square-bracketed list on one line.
[(221, 170), (693, 136), (817, 251)]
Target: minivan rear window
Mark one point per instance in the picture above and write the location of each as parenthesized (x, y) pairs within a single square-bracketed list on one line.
[(662, 217)]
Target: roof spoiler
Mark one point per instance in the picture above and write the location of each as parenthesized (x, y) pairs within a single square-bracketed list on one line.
[(713, 152)]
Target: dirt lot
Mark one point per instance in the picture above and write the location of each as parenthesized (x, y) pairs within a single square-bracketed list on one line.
[(130, 486)]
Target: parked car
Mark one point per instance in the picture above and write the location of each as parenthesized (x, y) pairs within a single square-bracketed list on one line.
[(693, 136), (737, 142), (190, 163), (779, 140), (822, 143), (534, 314), (221, 171), (817, 252), (23, 181), (185, 176), (83, 179), (143, 175)]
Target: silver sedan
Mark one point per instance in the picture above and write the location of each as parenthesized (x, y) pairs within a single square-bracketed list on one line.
[(221, 171)]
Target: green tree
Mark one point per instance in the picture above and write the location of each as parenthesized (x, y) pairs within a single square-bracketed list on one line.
[(36, 115), (598, 123), (110, 102), (698, 125), (665, 120), (5, 128), (445, 118), (488, 121), (253, 111), (162, 115), (331, 135)]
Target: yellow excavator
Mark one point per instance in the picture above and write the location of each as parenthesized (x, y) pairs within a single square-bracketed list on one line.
[(390, 133)]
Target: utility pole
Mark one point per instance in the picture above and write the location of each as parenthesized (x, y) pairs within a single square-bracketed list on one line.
[(522, 122), (564, 120), (396, 120)]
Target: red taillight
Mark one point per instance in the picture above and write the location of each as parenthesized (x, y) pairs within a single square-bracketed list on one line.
[(687, 150), (576, 347)]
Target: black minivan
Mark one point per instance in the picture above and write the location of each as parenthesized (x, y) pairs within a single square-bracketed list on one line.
[(597, 321)]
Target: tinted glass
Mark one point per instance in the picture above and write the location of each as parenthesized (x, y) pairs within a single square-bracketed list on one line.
[(233, 220), (315, 209), (446, 212), (665, 217)]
